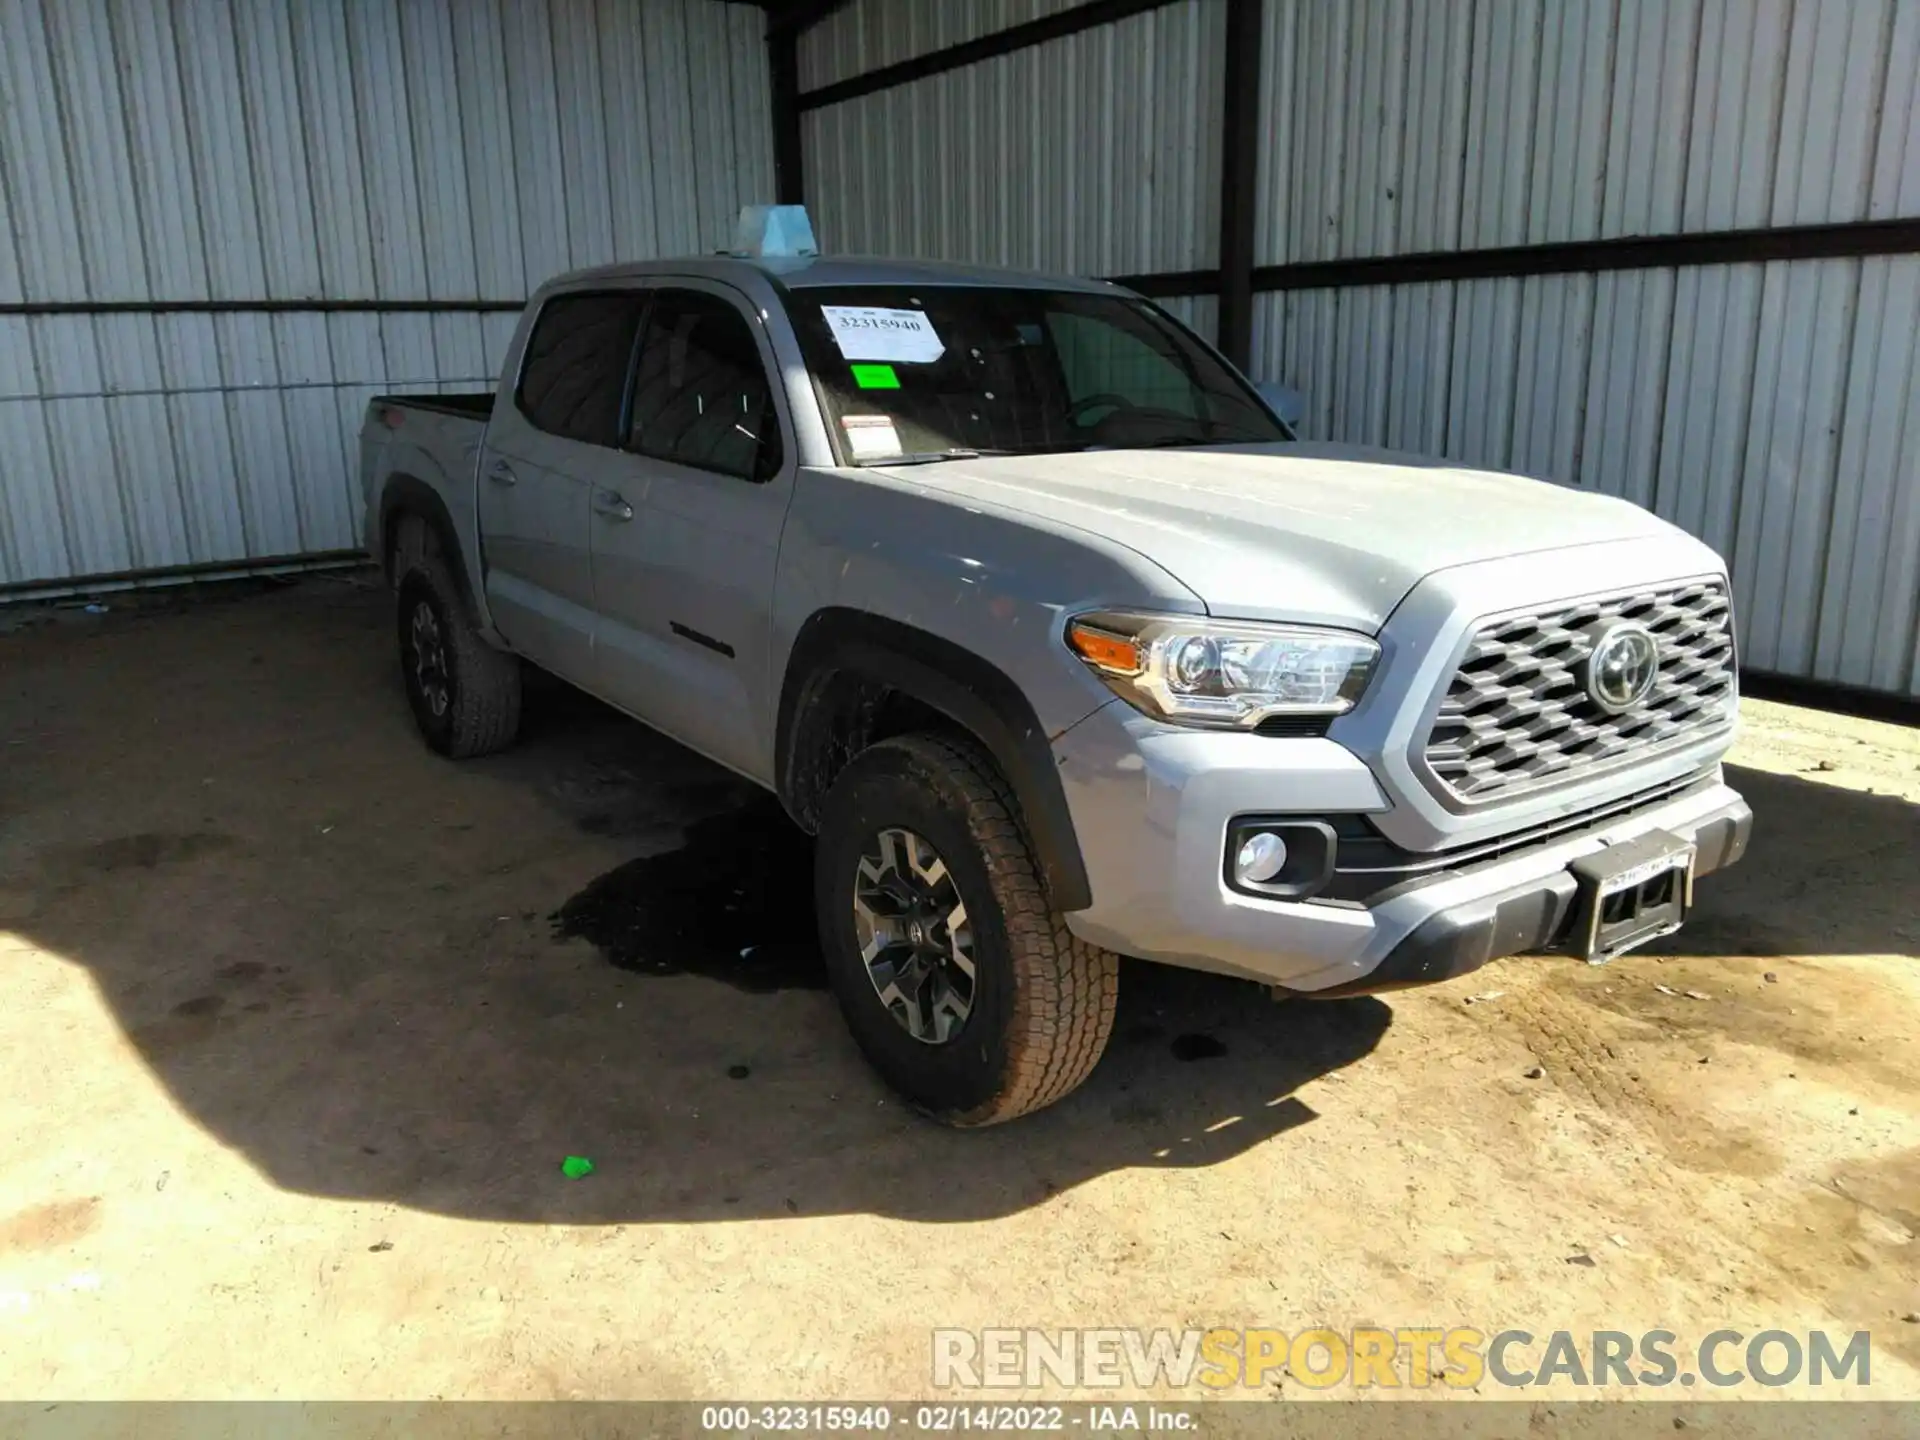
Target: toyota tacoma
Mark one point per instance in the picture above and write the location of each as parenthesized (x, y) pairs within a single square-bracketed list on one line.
[(1038, 616)]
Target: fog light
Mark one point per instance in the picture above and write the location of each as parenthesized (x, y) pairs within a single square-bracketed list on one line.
[(1262, 857), (1277, 857)]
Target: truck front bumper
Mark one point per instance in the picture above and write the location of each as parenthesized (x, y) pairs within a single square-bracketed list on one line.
[(1538, 914), (1152, 807)]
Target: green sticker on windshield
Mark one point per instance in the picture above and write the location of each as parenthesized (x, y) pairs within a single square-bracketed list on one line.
[(875, 377)]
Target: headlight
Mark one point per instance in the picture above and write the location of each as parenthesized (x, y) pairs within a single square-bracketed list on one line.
[(1223, 673)]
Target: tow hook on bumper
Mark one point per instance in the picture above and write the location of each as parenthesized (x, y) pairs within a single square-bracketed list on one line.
[(1539, 915)]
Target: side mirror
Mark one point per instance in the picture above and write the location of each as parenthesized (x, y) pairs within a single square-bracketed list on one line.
[(1287, 403)]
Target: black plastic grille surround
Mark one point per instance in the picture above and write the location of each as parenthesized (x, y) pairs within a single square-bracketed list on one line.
[(1517, 716)]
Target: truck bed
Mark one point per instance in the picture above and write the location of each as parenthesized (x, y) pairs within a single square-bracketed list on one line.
[(432, 443)]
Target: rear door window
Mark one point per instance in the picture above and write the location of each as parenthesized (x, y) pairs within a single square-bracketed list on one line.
[(574, 375), (701, 396)]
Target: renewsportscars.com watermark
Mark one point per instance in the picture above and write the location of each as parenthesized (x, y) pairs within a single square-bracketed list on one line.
[(1222, 1360)]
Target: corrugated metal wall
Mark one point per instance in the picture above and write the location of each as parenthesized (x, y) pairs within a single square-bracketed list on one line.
[(1394, 126), (867, 35), (1093, 154), (1772, 409), (322, 150)]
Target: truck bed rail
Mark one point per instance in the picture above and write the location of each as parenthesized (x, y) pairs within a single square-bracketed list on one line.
[(474, 404)]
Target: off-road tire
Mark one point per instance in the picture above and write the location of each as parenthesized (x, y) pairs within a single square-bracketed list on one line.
[(1044, 999), (483, 683)]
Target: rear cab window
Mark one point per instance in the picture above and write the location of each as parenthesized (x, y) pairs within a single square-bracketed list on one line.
[(919, 372), (573, 377)]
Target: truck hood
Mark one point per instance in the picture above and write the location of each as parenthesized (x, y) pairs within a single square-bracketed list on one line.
[(1319, 534)]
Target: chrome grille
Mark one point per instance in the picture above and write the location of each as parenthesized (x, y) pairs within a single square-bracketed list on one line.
[(1517, 715)]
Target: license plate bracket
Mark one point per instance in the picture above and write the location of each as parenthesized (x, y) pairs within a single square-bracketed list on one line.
[(1630, 894)]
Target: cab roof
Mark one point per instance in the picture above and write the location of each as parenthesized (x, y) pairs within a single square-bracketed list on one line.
[(807, 272)]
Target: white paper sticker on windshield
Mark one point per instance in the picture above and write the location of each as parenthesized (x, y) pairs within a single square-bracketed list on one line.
[(870, 435), (870, 332)]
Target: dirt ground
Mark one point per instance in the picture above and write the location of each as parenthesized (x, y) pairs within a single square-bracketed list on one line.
[(290, 1055)]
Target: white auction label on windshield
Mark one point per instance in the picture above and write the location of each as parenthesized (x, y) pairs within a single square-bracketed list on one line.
[(870, 435), (871, 332)]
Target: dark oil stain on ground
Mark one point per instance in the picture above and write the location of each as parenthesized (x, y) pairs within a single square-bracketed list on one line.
[(71, 867), (146, 851), (1197, 1047), (242, 972), (741, 882), (190, 1023)]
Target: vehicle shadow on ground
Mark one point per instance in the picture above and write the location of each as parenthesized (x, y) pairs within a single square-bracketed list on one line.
[(351, 963), (1829, 871)]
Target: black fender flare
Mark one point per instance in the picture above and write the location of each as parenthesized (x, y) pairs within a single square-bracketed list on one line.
[(846, 644), (409, 494)]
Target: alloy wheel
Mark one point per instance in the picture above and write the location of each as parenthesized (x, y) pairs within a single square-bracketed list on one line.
[(913, 935), (430, 671)]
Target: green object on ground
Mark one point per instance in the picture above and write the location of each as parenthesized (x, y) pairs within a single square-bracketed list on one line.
[(875, 377), (576, 1167)]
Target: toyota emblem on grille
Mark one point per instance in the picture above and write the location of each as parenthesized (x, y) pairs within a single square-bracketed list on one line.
[(1622, 668)]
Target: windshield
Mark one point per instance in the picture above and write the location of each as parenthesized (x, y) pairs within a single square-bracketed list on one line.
[(917, 371)]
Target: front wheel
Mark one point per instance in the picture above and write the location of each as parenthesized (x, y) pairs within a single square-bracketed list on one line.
[(962, 986)]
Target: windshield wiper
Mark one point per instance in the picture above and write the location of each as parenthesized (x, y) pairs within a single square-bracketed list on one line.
[(929, 457)]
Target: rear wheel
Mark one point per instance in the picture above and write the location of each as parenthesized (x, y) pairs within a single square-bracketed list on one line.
[(465, 695), (964, 989)]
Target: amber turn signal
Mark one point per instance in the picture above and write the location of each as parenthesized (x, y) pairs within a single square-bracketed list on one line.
[(1116, 654)]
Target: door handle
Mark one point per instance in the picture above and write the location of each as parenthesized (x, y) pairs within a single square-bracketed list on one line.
[(609, 505), (501, 473)]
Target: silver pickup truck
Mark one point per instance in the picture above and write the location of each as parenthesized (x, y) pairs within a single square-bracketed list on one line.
[(1037, 615)]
